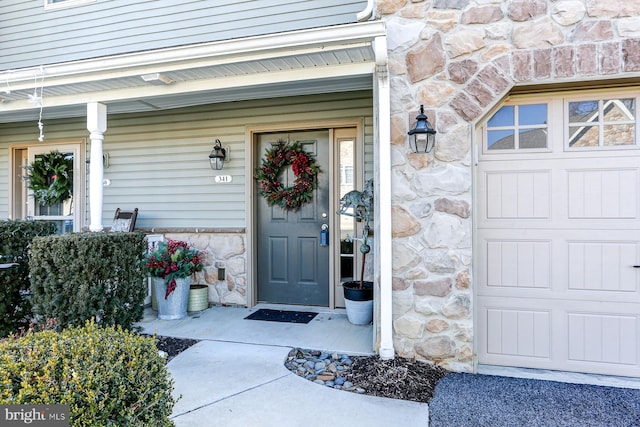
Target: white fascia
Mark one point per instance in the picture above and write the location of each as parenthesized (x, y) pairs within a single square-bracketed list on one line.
[(197, 85), (200, 55)]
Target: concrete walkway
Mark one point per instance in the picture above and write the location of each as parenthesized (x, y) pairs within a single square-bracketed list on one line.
[(236, 376)]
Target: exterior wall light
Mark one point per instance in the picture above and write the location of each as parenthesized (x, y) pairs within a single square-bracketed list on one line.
[(424, 136), (218, 156)]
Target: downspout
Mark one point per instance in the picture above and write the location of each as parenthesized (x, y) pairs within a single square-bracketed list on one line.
[(383, 208), (366, 13)]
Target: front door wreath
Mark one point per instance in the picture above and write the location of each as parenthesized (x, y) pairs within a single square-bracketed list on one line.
[(50, 177), (304, 169)]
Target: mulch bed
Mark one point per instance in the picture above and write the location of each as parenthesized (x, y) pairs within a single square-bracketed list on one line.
[(398, 378), (173, 346)]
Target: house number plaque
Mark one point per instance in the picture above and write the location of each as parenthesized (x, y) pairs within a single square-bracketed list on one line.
[(223, 179)]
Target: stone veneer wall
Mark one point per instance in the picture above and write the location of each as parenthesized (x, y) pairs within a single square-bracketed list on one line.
[(229, 248), (459, 58)]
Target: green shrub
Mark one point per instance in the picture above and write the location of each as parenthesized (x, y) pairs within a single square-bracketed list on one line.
[(82, 276), (108, 376), (15, 239)]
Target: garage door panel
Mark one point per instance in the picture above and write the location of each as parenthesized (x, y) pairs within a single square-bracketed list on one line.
[(517, 194), (561, 335), (518, 332), (583, 264), (603, 338), (603, 194), (564, 194), (524, 264), (604, 266)]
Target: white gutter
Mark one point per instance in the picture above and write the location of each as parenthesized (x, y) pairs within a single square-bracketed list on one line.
[(383, 206), (366, 13), (321, 39)]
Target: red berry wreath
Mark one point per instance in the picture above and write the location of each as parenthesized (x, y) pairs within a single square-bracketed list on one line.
[(304, 168)]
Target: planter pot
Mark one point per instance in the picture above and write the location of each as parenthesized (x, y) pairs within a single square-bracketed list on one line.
[(154, 298), (175, 306), (198, 298), (358, 302)]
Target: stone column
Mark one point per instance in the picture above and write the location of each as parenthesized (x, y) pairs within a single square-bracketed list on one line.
[(97, 126)]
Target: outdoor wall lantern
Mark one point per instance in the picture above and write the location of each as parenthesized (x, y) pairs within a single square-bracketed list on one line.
[(424, 136), (218, 156)]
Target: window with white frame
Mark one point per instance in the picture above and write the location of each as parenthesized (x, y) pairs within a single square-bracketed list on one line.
[(518, 127), (605, 122)]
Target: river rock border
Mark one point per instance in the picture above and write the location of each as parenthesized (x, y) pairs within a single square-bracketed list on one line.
[(322, 367)]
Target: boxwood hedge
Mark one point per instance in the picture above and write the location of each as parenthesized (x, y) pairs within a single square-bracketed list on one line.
[(107, 375)]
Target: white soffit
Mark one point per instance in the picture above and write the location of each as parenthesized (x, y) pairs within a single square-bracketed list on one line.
[(314, 61)]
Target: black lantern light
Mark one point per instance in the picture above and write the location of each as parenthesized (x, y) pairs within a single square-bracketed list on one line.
[(424, 136), (218, 156)]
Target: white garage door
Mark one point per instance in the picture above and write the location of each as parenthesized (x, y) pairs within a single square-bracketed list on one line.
[(558, 234)]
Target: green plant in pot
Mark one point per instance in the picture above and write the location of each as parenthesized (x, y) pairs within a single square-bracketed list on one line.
[(171, 265), (358, 295)]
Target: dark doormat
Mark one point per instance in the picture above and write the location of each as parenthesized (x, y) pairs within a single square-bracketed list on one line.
[(282, 316)]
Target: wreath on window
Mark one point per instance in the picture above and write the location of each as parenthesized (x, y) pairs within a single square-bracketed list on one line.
[(50, 177), (304, 168)]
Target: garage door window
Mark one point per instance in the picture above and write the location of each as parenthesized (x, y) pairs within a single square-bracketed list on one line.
[(518, 127), (601, 123)]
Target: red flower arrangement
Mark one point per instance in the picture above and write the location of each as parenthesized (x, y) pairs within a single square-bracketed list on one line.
[(173, 260), (304, 169)]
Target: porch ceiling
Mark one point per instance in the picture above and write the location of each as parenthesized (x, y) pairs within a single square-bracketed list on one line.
[(274, 66)]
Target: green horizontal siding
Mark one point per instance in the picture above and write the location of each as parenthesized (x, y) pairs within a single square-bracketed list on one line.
[(4, 183), (159, 161), (31, 35)]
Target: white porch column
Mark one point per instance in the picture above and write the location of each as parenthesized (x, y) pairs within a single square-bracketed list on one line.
[(97, 126), (383, 199)]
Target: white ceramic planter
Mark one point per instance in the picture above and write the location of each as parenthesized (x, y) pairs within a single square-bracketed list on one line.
[(358, 302), (359, 312)]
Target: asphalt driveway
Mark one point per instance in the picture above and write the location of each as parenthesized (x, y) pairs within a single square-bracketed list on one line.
[(463, 400)]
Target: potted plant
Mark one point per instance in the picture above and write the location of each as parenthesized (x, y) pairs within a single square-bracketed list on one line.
[(358, 294), (171, 265)]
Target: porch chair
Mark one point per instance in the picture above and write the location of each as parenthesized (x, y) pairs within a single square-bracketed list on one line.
[(124, 220)]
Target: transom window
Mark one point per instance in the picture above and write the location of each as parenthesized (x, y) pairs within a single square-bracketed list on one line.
[(601, 122), (518, 127)]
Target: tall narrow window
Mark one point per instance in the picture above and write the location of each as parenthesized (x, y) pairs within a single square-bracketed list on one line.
[(346, 149), (518, 127)]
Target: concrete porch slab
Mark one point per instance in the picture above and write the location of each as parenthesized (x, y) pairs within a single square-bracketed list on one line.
[(329, 330)]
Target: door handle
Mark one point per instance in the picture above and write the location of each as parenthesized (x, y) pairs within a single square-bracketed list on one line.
[(636, 266)]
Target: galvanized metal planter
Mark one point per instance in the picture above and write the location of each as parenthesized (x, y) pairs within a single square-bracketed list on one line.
[(175, 305)]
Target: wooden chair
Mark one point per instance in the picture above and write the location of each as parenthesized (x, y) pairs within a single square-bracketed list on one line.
[(124, 220)]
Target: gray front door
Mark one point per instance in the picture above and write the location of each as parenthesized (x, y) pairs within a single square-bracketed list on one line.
[(293, 268)]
